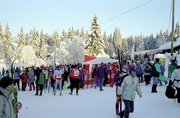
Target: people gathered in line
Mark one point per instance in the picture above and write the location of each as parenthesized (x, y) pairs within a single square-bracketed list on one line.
[(126, 79)]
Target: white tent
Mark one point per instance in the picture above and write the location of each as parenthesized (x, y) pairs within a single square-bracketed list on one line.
[(168, 44), (98, 61)]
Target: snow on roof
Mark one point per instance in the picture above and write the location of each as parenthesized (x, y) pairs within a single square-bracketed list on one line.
[(168, 44)]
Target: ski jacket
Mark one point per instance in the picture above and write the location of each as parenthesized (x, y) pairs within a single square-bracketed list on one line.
[(31, 76), (23, 77), (6, 107), (16, 75), (128, 87), (176, 78), (75, 73), (101, 72), (58, 74), (41, 78)]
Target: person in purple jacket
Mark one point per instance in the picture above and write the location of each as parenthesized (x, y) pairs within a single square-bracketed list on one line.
[(16, 78), (101, 72)]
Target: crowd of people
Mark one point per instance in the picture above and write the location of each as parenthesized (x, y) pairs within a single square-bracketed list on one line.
[(126, 79)]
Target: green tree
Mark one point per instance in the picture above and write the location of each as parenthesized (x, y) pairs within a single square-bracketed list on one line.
[(95, 44)]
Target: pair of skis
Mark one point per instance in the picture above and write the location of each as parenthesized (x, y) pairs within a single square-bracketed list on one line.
[(120, 64), (14, 92)]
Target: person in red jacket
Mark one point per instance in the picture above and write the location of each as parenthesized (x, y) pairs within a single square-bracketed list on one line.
[(75, 79), (24, 78)]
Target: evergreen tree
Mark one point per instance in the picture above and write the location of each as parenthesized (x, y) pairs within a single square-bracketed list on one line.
[(95, 44), (1, 39), (76, 51), (105, 39), (9, 53), (63, 53), (33, 40), (21, 42), (55, 38), (1, 32), (117, 40), (43, 46), (177, 30)]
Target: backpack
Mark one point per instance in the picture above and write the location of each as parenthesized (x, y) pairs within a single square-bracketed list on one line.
[(154, 71), (170, 91), (147, 68)]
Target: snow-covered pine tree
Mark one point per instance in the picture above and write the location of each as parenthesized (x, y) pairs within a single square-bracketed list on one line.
[(28, 55), (117, 40), (20, 43), (95, 44), (1, 40), (8, 49), (64, 35), (33, 40), (63, 53), (177, 29), (55, 38), (76, 51), (43, 47), (160, 39)]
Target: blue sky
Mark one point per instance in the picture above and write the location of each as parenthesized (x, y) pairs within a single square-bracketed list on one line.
[(51, 15)]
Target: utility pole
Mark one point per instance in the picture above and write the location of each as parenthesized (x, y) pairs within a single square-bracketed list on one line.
[(172, 40)]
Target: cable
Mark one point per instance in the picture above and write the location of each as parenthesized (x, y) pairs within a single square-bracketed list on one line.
[(126, 12)]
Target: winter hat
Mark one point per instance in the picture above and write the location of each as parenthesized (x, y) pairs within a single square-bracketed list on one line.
[(102, 63), (6, 81), (132, 68), (124, 63)]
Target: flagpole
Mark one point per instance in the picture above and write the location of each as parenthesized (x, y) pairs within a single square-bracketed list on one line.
[(172, 40)]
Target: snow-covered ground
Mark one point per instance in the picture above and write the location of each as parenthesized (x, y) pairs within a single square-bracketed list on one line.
[(91, 103)]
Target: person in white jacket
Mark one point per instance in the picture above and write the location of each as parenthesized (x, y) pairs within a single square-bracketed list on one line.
[(175, 77), (127, 90)]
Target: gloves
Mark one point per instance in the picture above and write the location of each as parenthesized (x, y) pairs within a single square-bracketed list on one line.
[(118, 97)]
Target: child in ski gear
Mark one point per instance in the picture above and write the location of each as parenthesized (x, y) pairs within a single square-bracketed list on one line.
[(127, 90), (7, 109), (175, 77)]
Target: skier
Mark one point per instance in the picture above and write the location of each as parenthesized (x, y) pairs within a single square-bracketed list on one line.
[(58, 76), (74, 79)]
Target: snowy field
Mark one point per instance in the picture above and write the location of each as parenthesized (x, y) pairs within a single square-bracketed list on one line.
[(91, 103)]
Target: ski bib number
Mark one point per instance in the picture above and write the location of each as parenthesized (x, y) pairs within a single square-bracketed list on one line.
[(76, 72)]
